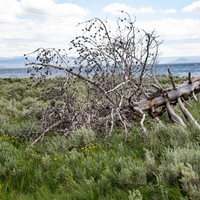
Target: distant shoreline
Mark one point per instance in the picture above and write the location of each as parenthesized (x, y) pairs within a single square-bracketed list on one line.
[(182, 64), (180, 69), (159, 64)]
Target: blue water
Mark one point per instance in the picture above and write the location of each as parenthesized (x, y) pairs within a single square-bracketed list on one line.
[(180, 69), (22, 73), (176, 69)]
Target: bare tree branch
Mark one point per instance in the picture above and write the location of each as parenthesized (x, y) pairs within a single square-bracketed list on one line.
[(108, 80)]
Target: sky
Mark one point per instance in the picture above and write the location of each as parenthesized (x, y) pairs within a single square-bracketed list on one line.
[(26, 25)]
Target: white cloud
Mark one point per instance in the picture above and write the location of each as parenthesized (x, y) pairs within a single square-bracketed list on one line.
[(116, 7), (193, 8), (184, 49), (47, 8), (24, 36), (9, 9), (170, 11), (173, 29), (180, 37), (55, 27)]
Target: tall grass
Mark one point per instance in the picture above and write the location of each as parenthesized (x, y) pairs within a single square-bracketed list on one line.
[(88, 165)]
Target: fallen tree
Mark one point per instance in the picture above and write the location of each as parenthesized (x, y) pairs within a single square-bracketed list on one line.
[(118, 72)]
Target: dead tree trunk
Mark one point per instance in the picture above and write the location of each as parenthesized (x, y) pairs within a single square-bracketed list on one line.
[(118, 71), (179, 95)]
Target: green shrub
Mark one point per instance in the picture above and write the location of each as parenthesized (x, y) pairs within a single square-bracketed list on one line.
[(83, 137)]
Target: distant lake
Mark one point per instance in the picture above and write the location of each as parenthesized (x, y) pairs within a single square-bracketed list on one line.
[(181, 69), (22, 73)]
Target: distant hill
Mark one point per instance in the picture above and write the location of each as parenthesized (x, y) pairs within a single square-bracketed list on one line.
[(16, 62), (185, 59)]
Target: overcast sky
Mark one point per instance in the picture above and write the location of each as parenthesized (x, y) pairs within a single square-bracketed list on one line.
[(26, 25)]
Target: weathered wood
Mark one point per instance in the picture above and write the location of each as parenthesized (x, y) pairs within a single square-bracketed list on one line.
[(153, 114), (114, 79), (185, 90), (142, 120), (173, 115), (171, 78), (186, 113), (189, 77)]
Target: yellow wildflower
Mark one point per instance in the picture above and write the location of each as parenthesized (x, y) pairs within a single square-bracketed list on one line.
[(55, 158)]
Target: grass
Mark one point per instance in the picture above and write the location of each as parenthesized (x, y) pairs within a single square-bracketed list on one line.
[(89, 165)]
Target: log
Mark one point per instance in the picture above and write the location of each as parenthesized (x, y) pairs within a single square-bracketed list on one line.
[(187, 114), (185, 90), (163, 97), (173, 115)]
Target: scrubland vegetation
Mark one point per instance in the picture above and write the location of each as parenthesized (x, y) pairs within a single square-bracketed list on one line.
[(90, 165)]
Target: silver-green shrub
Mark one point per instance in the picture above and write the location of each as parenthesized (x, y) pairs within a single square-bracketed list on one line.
[(83, 137), (135, 195)]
